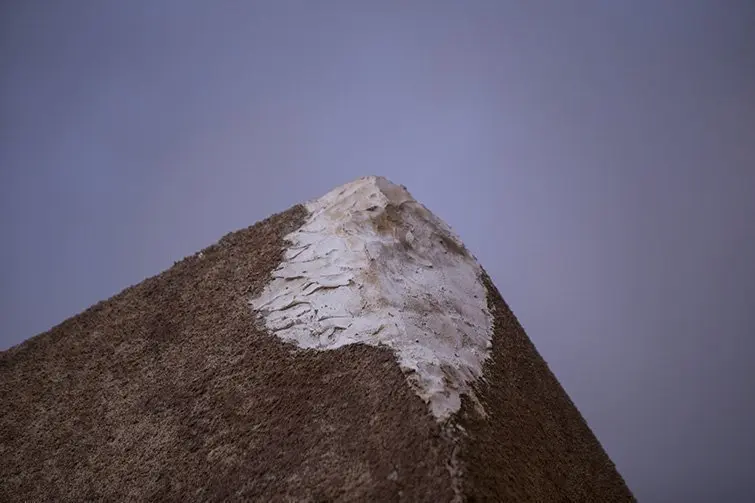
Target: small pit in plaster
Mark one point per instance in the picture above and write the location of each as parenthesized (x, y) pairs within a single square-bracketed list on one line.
[(371, 265)]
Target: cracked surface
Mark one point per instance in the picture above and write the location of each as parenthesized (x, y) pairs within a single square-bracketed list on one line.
[(371, 265), (169, 392)]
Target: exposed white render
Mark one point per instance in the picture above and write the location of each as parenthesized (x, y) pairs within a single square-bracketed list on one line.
[(372, 265)]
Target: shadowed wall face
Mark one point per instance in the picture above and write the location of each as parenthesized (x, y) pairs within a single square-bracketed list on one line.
[(597, 159)]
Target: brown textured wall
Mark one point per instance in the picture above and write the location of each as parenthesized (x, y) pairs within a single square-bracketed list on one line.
[(167, 391), (534, 444)]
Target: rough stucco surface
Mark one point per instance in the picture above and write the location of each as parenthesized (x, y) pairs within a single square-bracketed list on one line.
[(170, 391), (533, 444)]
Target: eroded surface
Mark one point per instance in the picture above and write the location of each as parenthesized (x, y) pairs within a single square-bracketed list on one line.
[(372, 265)]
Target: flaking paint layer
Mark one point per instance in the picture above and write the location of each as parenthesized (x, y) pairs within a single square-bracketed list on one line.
[(371, 265)]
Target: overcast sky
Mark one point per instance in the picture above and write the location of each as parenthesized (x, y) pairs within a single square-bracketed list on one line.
[(597, 157)]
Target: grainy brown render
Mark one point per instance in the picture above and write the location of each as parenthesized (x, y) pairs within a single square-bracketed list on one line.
[(169, 391), (533, 445)]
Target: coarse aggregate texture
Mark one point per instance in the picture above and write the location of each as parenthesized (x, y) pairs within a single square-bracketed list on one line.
[(173, 391)]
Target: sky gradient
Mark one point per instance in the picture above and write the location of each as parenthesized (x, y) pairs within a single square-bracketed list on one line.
[(597, 157)]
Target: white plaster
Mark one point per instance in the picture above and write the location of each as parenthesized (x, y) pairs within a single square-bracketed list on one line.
[(372, 265)]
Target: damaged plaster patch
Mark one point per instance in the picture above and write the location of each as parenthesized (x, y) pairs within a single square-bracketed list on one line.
[(372, 265)]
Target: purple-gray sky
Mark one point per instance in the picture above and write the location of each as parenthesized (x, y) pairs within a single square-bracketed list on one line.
[(597, 157)]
